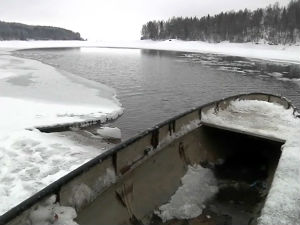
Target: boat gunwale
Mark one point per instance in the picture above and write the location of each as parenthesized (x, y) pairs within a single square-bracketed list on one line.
[(235, 130), (55, 187)]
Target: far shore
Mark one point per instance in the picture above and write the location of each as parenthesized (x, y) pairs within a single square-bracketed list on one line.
[(280, 53)]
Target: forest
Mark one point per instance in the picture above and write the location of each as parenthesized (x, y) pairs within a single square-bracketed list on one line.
[(273, 24), (18, 31)]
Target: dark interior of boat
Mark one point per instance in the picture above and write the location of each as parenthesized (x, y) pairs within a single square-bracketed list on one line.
[(244, 172), (244, 166)]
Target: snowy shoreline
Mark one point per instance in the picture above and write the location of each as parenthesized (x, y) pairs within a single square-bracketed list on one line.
[(279, 53)]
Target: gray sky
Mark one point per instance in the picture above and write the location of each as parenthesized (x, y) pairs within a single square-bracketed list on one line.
[(114, 19)]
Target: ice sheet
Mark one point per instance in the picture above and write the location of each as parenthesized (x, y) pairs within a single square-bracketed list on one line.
[(34, 94)]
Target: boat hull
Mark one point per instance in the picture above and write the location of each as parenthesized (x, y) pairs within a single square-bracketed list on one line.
[(148, 168)]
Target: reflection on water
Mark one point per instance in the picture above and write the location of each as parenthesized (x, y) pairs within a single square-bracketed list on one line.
[(155, 85), (118, 51)]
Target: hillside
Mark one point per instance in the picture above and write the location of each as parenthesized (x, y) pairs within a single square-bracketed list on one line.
[(18, 31), (273, 24)]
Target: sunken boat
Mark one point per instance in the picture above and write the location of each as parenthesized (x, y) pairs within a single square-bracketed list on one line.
[(231, 161)]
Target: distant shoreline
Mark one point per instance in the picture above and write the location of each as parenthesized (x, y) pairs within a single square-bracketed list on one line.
[(20, 31), (278, 53)]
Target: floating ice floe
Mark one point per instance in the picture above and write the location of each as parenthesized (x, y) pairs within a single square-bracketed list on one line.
[(110, 132)]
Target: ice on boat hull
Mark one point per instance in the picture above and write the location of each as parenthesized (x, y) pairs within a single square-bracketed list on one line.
[(149, 169)]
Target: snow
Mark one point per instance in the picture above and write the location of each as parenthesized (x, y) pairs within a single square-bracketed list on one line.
[(110, 132), (284, 53), (198, 185), (34, 94), (31, 160), (283, 202), (50, 212), (82, 194)]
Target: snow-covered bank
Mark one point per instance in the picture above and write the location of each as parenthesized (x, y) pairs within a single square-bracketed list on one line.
[(283, 202), (284, 53), (34, 94)]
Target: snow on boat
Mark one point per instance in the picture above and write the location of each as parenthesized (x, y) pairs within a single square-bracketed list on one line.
[(233, 161)]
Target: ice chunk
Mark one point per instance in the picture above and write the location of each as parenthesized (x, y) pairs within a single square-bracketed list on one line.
[(198, 185), (110, 132)]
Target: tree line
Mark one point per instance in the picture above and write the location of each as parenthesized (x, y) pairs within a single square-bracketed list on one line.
[(273, 24), (18, 31)]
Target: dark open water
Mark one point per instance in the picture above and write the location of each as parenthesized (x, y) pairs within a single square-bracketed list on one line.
[(156, 85)]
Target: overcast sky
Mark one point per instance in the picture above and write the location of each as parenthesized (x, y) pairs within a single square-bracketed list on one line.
[(114, 19)]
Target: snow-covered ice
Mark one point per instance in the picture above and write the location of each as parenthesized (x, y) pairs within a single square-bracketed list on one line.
[(34, 94), (46, 96), (283, 202)]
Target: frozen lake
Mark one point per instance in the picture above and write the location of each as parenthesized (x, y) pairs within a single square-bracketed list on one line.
[(156, 85)]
